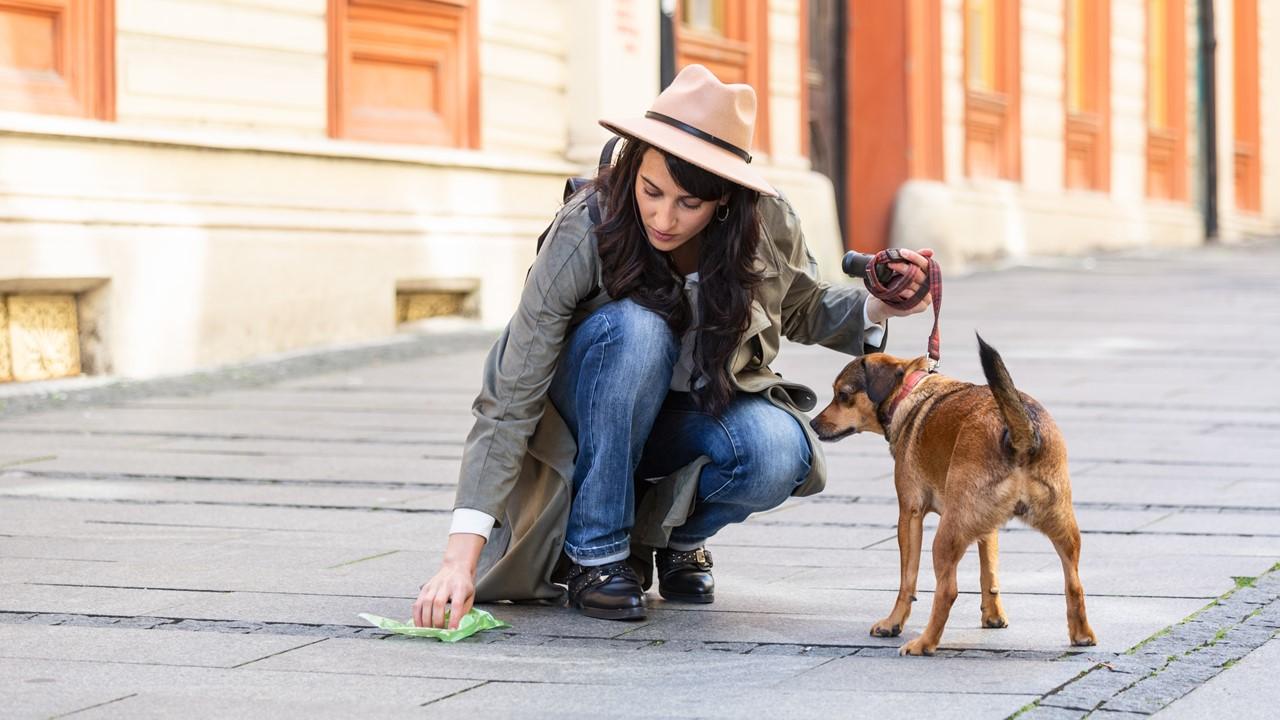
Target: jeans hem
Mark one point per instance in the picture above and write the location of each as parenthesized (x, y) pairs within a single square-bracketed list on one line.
[(595, 558)]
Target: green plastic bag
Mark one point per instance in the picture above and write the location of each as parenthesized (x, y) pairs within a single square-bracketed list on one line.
[(472, 623)]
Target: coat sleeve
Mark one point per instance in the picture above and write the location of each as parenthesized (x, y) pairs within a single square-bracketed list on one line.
[(519, 368), (813, 312)]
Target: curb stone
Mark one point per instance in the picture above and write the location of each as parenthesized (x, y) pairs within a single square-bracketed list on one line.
[(1174, 661)]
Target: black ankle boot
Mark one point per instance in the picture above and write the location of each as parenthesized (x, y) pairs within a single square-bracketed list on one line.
[(611, 592), (685, 576)]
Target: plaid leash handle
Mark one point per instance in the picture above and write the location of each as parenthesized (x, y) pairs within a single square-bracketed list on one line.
[(889, 292)]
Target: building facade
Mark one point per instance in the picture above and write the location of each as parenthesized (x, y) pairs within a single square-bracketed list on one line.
[(186, 183)]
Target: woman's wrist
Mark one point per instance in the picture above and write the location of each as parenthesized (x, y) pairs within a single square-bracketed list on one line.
[(463, 551), (877, 311)]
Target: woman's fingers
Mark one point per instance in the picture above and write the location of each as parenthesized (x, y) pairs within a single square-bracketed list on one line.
[(420, 614), (460, 609), (438, 605)]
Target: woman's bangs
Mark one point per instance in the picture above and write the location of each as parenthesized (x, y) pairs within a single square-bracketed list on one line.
[(696, 181)]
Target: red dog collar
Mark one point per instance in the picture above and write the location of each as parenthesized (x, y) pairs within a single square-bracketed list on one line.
[(907, 386)]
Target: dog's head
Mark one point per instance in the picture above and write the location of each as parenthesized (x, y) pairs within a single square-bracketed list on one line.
[(861, 393)]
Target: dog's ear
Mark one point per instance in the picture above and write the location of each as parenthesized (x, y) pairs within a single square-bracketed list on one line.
[(882, 378)]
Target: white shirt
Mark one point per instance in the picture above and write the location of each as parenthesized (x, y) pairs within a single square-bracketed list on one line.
[(469, 520)]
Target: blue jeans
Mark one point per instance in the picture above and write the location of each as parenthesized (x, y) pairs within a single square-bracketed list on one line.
[(611, 388)]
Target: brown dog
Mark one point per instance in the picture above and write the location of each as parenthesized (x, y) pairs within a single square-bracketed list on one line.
[(976, 455)]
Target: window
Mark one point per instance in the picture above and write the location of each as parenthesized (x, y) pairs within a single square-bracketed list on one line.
[(1088, 94), (56, 56), (1248, 158), (1166, 99), (730, 37), (992, 89), (404, 71)]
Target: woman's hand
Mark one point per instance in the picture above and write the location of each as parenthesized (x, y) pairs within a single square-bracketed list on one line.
[(916, 266), (454, 586)]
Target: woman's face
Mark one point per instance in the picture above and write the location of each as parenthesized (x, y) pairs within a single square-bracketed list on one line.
[(670, 215)]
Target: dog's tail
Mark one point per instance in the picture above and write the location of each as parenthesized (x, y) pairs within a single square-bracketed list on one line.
[(1022, 438)]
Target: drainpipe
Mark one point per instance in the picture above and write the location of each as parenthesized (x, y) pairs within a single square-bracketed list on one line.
[(667, 42), (1208, 118)]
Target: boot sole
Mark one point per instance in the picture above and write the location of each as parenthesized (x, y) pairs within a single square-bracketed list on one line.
[(620, 614), (696, 599)]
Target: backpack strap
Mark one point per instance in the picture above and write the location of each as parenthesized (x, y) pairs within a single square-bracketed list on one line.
[(571, 188), (574, 184)]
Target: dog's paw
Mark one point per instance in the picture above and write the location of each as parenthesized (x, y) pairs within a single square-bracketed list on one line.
[(1085, 640), (915, 647), (995, 622), (886, 628)]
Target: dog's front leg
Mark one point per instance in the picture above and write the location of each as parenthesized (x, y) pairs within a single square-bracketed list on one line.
[(910, 534), (948, 548)]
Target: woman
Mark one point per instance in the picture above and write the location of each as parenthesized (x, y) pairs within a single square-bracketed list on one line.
[(629, 404)]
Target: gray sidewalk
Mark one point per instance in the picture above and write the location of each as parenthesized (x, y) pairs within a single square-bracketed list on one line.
[(207, 554)]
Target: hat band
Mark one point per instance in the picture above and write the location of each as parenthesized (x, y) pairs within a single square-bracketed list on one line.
[(746, 156)]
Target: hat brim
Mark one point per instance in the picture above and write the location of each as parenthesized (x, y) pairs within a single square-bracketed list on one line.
[(717, 161)]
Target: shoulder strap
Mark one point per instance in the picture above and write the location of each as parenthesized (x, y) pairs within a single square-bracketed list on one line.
[(574, 184)]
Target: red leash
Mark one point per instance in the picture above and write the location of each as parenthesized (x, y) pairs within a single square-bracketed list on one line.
[(886, 284)]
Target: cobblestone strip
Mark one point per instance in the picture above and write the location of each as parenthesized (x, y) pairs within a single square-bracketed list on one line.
[(1173, 662), (241, 627), (56, 394)]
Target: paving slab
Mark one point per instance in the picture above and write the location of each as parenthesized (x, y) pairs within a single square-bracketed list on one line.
[(340, 448), (237, 422), (958, 675), (161, 464), (49, 688), (540, 664), (141, 647), (14, 484), (559, 701), (24, 597), (1035, 623)]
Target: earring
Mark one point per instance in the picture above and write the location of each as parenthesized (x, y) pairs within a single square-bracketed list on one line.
[(721, 217)]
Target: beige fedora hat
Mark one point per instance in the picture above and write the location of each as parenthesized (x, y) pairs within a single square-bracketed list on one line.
[(704, 121)]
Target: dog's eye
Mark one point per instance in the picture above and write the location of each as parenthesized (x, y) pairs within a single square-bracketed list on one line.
[(842, 396)]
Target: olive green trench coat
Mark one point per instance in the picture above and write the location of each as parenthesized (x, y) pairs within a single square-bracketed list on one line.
[(517, 465)]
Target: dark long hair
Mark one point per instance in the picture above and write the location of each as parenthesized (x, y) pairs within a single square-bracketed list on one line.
[(633, 268)]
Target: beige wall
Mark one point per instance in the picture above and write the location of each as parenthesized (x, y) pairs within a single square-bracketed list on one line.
[(523, 76), (216, 255), (784, 84), (236, 64)]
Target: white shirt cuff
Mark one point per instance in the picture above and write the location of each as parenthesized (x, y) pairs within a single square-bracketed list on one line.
[(467, 520), (872, 333)]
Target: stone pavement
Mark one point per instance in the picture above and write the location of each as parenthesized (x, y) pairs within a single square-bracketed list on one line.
[(204, 549)]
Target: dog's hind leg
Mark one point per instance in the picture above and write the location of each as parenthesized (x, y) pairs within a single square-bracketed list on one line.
[(989, 559), (1062, 530), (948, 547), (910, 534)]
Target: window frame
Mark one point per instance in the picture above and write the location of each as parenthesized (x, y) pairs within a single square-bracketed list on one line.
[(465, 116), (1087, 130), (993, 116), (1166, 151), (84, 61), (747, 35), (1246, 90)]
